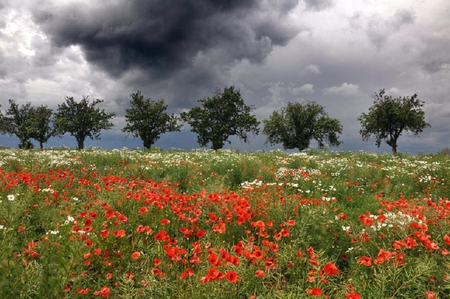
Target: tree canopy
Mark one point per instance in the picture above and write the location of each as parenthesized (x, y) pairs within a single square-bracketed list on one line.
[(223, 115), (27, 122), (389, 117), (297, 124), (148, 119), (82, 119)]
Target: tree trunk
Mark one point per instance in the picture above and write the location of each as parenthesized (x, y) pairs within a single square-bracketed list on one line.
[(394, 147), (80, 144)]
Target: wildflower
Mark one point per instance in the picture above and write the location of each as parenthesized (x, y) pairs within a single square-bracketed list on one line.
[(314, 291), (135, 255), (119, 233), (187, 273), (83, 291), (143, 210), (352, 295), (156, 262), (430, 295), (447, 239), (104, 233), (11, 197), (330, 269), (260, 273), (366, 261), (104, 292), (165, 221), (232, 276)]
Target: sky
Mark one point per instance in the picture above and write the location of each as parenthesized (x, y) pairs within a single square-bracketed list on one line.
[(337, 53)]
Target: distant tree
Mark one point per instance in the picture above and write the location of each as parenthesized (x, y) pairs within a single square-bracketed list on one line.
[(2, 123), (148, 119), (223, 115), (388, 117), (82, 119), (296, 124), (16, 122), (39, 124)]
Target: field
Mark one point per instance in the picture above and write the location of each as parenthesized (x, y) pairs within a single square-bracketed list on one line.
[(225, 224)]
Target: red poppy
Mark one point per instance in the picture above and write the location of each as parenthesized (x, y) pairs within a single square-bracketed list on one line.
[(314, 291), (104, 233), (330, 269), (232, 276), (447, 239), (143, 210), (214, 259), (260, 273), (119, 233), (352, 296), (104, 292), (135, 255), (365, 260), (165, 221)]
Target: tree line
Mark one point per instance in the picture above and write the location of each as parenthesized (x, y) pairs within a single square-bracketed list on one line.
[(214, 120)]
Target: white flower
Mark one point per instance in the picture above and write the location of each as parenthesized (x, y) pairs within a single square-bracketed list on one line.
[(11, 197)]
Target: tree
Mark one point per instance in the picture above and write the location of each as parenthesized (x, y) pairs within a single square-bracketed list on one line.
[(16, 122), (296, 124), (40, 124), (388, 117), (148, 119), (221, 116), (27, 122), (82, 119)]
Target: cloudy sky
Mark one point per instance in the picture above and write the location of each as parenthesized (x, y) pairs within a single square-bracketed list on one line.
[(337, 53)]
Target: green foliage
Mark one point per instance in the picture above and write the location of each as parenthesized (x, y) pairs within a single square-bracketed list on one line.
[(389, 117), (27, 122), (39, 124), (148, 119), (223, 115), (16, 122), (295, 125), (82, 119)]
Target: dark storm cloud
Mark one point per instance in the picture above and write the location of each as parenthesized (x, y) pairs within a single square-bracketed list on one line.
[(166, 36)]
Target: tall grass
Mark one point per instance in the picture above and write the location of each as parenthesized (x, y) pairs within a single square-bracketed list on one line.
[(205, 224)]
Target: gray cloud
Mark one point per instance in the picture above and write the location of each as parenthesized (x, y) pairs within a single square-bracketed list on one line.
[(317, 4), (379, 28), (274, 51), (166, 36)]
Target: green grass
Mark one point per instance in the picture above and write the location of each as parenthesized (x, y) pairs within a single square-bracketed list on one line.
[(202, 224)]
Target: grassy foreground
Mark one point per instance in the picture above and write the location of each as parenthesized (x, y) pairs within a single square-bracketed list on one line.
[(204, 224)]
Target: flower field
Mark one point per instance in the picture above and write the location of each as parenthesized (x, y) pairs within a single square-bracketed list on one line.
[(205, 224)]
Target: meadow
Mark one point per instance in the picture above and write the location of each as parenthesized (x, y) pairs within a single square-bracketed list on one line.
[(226, 224)]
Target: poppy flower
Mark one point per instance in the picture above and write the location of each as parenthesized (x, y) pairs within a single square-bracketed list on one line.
[(119, 233), (104, 292), (135, 255), (447, 239), (365, 260), (143, 210), (232, 276), (352, 296), (314, 291), (330, 269)]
